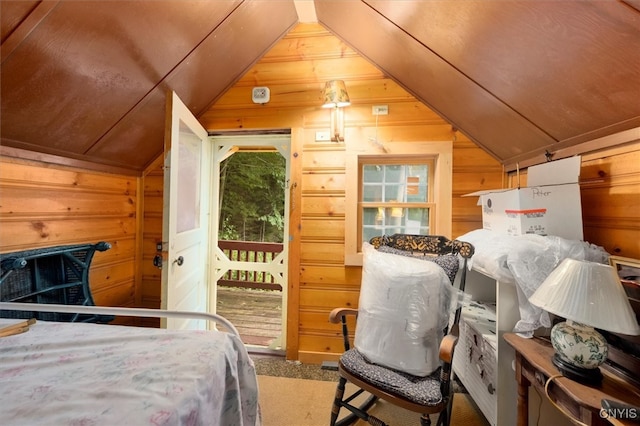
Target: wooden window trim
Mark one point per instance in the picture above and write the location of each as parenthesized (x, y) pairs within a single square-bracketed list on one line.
[(440, 152), (395, 160)]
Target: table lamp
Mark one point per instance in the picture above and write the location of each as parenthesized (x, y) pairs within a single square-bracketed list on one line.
[(588, 295)]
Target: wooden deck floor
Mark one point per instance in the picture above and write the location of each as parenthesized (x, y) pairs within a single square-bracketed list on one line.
[(257, 314)]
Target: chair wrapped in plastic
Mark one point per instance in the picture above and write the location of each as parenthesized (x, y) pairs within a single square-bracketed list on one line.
[(405, 332), (58, 275)]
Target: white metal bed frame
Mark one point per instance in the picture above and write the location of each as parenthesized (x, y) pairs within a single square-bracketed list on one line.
[(133, 312)]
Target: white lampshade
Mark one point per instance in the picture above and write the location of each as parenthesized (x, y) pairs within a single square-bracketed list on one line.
[(588, 293)]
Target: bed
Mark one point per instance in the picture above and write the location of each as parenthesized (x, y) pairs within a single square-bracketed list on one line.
[(96, 374)]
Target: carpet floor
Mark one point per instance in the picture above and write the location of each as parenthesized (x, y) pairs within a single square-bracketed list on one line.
[(295, 394), (278, 367), (288, 401)]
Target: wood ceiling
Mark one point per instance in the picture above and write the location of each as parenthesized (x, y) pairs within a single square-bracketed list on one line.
[(87, 80)]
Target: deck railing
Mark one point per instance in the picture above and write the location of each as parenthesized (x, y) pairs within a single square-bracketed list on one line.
[(248, 251)]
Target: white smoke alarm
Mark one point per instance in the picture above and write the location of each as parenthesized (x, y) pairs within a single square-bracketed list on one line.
[(260, 95)]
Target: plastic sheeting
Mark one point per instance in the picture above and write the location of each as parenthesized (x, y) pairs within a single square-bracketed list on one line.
[(526, 260), (404, 307)]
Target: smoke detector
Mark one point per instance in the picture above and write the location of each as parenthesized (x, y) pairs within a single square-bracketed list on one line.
[(260, 95)]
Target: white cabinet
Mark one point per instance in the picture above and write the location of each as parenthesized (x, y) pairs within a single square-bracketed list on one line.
[(485, 368)]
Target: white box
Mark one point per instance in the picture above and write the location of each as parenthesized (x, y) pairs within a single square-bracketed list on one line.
[(549, 205)]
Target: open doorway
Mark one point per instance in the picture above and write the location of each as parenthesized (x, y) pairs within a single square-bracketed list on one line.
[(249, 230)]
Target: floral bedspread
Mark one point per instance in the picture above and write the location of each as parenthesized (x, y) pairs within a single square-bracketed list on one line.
[(89, 374)]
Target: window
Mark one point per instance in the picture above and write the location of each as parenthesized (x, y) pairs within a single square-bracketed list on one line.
[(394, 197), (407, 190)]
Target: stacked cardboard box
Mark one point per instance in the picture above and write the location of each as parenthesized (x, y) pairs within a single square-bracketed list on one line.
[(549, 205)]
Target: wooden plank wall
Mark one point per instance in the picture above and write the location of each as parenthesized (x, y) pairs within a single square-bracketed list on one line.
[(610, 193), (610, 196), (43, 205), (150, 279), (295, 71)]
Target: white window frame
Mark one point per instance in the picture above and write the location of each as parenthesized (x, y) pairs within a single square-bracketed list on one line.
[(440, 152)]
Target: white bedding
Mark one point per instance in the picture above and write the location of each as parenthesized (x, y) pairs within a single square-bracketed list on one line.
[(526, 260), (89, 374)]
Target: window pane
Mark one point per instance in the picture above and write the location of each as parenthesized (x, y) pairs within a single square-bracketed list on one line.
[(394, 193), (372, 217), (188, 180), (394, 173), (394, 220), (369, 233), (417, 221), (372, 173), (372, 193), (373, 223), (417, 183), (395, 183)]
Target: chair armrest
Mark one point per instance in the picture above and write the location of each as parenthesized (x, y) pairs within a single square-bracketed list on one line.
[(339, 315), (336, 315), (448, 344)]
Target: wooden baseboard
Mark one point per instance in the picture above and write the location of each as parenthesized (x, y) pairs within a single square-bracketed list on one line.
[(316, 358)]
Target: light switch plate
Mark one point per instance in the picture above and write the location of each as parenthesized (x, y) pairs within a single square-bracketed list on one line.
[(380, 110), (322, 136)]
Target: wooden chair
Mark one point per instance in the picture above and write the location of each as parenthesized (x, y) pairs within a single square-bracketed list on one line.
[(425, 395)]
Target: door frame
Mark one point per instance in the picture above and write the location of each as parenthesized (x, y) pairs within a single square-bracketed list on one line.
[(228, 141)]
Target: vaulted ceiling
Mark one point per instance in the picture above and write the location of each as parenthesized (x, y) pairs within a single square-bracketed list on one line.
[(86, 80)]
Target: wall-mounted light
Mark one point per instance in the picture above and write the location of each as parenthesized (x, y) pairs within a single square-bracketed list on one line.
[(336, 97)]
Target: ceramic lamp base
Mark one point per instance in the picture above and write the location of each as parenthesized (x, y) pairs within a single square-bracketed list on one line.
[(587, 376), (580, 350)]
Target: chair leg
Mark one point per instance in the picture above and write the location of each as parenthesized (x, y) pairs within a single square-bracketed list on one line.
[(425, 420), (444, 419), (356, 413), (335, 410)]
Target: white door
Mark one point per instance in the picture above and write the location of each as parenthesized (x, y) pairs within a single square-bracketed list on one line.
[(185, 233)]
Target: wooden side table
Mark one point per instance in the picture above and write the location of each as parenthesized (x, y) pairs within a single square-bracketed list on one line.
[(582, 402)]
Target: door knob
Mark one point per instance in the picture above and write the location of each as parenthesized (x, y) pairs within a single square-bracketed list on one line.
[(179, 260)]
